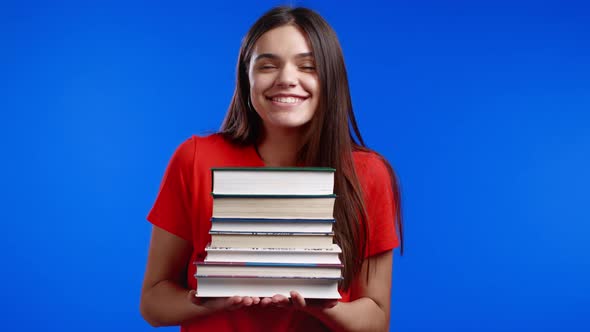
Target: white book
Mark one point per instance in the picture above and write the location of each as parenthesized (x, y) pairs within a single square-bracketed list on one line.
[(284, 270), (267, 287), (273, 180), (272, 225), (271, 240), (269, 255), (274, 207)]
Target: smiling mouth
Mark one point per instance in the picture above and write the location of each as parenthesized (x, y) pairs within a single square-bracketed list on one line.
[(287, 100)]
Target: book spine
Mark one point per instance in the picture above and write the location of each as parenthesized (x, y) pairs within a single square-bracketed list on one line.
[(274, 169), (254, 264), (200, 275), (270, 196), (238, 233), (212, 180), (269, 220), (333, 250)]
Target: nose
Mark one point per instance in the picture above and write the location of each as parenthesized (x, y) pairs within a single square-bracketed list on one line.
[(287, 77)]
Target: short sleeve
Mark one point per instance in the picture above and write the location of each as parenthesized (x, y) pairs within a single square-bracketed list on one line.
[(171, 210), (380, 206)]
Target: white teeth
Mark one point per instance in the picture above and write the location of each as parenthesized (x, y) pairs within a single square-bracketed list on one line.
[(287, 100)]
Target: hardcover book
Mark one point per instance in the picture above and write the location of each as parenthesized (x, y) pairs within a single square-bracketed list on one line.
[(271, 240), (273, 207), (273, 180), (309, 288), (274, 255), (272, 225), (284, 270)]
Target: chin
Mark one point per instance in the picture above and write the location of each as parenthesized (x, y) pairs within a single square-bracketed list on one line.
[(289, 122), (289, 126), (293, 124)]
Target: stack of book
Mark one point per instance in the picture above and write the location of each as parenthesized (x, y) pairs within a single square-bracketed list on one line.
[(271, 232)]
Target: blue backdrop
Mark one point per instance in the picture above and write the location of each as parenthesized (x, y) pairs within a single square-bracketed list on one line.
[(482, 108)]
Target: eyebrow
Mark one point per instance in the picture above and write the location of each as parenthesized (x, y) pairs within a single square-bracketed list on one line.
[(275, 57)]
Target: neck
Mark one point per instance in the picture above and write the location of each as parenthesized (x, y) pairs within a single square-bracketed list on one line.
[(278, 148)]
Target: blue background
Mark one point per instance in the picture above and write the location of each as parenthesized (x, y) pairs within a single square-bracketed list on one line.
[(482, 108)]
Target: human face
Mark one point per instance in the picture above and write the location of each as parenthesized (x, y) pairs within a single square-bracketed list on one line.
[(284, 85)]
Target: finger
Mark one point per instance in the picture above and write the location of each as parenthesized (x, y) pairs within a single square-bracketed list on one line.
[(281, 301), (276, 299), (330, 304), (192, 293), (265, 302), (192, 296), (279, 298), (234, 302), (247, 301), (236, 299), (297, 299), (255, 300)]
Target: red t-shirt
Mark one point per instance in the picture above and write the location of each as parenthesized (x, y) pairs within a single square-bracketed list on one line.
[(184, 206)]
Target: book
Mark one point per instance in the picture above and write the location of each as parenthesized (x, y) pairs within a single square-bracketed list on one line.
[(271, 240), (272, 225), (274, 207), (273, 180), (270, 255), (309, 288), (253, 269)]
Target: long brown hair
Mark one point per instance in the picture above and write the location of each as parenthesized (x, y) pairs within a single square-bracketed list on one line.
[(328, 140)]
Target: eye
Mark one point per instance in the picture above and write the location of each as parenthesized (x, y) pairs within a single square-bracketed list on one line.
[(267, 67), (307, 67)]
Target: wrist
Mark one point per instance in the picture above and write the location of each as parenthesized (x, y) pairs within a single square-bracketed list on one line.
[(324, 315)]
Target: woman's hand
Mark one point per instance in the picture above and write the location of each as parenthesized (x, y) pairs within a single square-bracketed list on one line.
[(311, 304), (223, 303), (297, 301), (277, 300)]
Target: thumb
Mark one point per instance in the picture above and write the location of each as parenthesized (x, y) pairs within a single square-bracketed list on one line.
[(192, 296)]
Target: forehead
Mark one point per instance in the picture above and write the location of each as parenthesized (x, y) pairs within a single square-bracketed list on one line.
[(284, 41)]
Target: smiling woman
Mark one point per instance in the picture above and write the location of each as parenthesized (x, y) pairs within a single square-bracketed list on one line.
[(291, 107), (284, 86)]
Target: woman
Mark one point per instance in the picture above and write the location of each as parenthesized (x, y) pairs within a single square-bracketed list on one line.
[(291, 107)]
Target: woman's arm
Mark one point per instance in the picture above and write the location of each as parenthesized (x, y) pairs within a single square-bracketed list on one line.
[(370, 309), (165, 300)]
